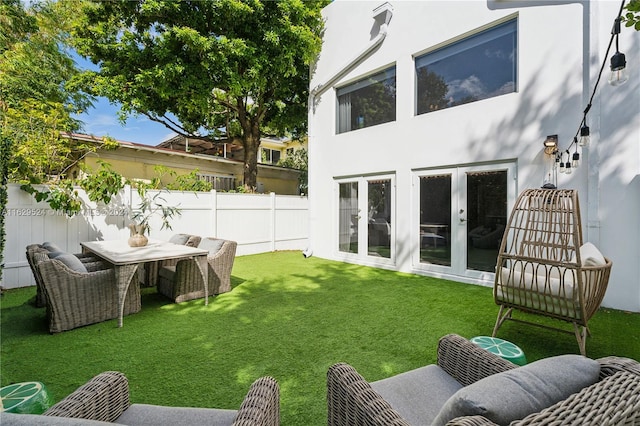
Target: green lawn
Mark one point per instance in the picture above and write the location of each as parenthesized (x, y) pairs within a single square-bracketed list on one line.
[(288, 317)]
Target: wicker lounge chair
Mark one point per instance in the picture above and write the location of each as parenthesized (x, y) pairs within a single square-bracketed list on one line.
[(75, 298), (105, 399), (427, 394), (544, 268), (182, 281), (90, 262)]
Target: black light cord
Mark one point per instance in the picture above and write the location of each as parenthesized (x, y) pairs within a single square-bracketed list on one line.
[(614, 34)]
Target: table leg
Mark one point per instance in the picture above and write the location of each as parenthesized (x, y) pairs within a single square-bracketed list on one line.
[(124, 274), (203, 267)]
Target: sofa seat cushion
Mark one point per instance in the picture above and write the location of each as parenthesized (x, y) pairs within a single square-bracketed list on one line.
[(514, 394), (10, 419), (418, 395), (156, 415)]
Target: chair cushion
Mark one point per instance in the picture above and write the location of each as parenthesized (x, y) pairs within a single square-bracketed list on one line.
[(147, 415), (590, 256), (167, 272), (180, 239), (418, 395), (51, 246), (514, 394), (72, 262), (213, 245)]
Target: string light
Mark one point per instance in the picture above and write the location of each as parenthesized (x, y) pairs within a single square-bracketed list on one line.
[(619, 75)]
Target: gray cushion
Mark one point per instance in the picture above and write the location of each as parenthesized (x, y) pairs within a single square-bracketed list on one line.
[(213, 245), (180, 239), (51, 246), (154, 415), (72, 262), (516, 393), (418, 394), (10, 419), (167, 272)]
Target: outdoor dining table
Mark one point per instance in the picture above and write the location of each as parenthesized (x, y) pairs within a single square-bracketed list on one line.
[(125, 261)]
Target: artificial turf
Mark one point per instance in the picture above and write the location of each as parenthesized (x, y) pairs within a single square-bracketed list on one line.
[(287, 316)]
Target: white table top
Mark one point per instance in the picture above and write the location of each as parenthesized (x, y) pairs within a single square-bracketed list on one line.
[(118, 252)]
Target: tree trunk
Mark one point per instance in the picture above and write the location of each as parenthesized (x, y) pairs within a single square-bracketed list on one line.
[(251, 144)]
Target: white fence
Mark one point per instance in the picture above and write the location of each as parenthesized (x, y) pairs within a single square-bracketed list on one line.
[(259, 223)]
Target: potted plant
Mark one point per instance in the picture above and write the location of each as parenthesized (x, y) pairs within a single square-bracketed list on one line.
[(148, 207)]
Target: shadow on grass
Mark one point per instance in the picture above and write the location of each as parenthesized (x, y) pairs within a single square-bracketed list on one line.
[(287, 317)]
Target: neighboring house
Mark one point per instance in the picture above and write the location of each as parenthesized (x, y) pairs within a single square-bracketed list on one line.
[(137, 161), (439, 110), (272, 150)]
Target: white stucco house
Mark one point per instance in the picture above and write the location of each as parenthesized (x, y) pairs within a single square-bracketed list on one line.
[(428, 118)]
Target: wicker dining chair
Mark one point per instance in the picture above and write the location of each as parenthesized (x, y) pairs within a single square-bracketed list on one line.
[(148, 271), (90, 262), (183, 281), (75, 298)]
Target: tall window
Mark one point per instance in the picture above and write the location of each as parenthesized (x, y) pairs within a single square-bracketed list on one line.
[(478, 67), (367, 102), (270, 156)]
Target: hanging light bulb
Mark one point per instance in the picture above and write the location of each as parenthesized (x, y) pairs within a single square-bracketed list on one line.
[(562, 167), (575, 160), (584, 135), (567, 167), (556, 163), (619, 72)]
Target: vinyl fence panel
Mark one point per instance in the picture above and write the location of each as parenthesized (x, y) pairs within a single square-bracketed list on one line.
[(257, 222)]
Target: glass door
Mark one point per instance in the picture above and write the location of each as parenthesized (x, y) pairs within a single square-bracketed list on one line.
[(366, 218), (461, 218)]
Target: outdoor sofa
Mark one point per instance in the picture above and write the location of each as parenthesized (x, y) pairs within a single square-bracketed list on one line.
[(105, 399), (471, 386)]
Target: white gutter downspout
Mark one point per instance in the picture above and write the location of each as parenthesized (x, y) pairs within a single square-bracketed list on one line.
[(382, 13)]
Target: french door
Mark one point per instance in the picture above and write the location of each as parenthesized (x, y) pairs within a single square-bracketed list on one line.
[(366, 215), (459, 218)]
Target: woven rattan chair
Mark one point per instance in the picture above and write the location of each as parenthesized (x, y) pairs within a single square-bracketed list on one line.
[(541, 267), (105, 398), (75, 299), (183, 281), (91, 263), (352, 401), (148, 272)]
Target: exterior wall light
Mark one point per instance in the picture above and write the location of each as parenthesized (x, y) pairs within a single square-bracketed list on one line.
[(551, 144)]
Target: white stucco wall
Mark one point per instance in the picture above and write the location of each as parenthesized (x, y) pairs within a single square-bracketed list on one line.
[(561, 46)]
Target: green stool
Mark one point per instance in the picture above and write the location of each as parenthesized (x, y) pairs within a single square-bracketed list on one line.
[(24, 398), (502, 348)]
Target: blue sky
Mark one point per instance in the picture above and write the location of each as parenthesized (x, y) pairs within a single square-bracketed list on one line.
[(102, 120)]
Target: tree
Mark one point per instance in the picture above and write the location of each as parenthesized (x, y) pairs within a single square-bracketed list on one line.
[(632, 16), (299, 160), (214, 69), (35, 102)]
